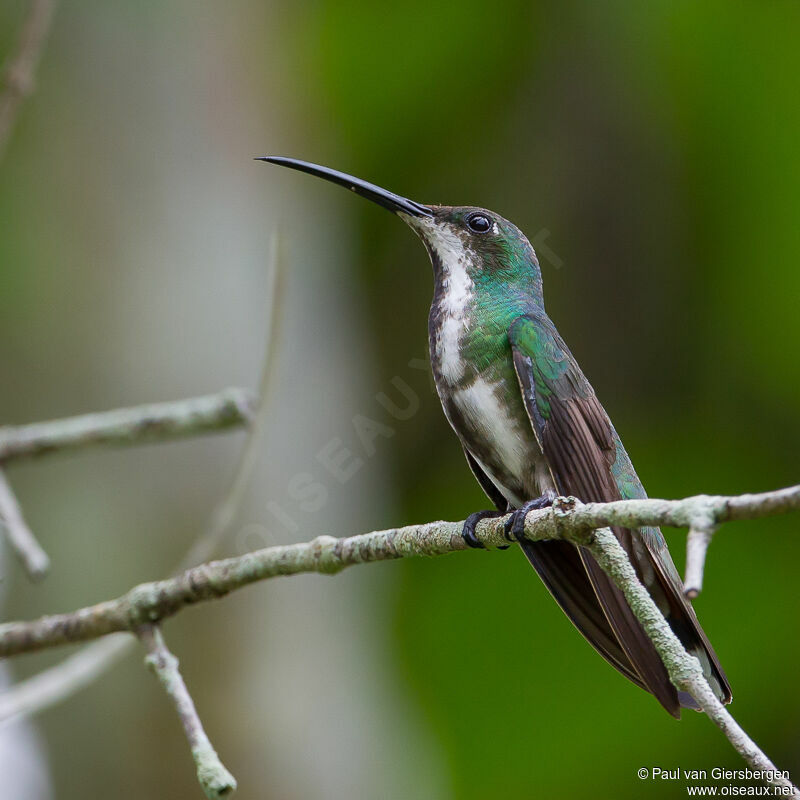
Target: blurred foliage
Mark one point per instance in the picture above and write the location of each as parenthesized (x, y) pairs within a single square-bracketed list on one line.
[(656, 146)]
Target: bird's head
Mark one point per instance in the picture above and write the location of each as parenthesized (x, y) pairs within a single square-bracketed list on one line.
[(493, 251)]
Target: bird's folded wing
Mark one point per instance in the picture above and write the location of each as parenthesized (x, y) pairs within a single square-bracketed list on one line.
[(578, 442)]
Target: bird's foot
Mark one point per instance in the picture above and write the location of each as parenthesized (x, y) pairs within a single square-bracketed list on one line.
[(515, 525), (471, 522)]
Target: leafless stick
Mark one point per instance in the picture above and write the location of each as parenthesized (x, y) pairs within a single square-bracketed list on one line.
[(206, 545), (125, 426), (216, 781), (20, 537), (697, 542), (18, 79), (75, 672)]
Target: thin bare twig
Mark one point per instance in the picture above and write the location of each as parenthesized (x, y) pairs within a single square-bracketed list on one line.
[(215, 779), (221, 520), (20, 537), (18, 78), (697, 542), (51, 686)]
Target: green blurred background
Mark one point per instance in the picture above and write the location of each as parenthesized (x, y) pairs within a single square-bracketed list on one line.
[(651, 150)]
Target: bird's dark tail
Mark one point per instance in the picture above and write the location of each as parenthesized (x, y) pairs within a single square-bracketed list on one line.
[(600, 612)]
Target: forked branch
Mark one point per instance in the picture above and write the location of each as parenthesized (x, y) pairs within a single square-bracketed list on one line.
[(155, 422), (583, 524)]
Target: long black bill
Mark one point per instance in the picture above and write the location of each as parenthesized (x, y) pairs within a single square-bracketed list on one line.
[(380, 196)]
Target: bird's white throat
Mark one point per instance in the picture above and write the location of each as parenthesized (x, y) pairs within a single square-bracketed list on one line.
[(456, 260)]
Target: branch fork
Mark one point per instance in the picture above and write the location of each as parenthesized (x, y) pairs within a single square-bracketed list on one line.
[(124, 426)]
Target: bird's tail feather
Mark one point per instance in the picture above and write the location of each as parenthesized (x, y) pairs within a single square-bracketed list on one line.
[(600, 612)]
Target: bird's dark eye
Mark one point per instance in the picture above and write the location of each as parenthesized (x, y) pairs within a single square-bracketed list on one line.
[(478, 223)]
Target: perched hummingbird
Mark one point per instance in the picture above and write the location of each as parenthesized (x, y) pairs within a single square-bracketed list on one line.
[(532, 428)]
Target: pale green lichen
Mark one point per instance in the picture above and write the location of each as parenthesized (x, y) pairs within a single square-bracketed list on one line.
[(212, 775)]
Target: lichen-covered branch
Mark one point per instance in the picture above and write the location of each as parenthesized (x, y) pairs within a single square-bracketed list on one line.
[(215, 779), (126, 426), (18, 78), (19, 535), (151, 602), (583, 524)]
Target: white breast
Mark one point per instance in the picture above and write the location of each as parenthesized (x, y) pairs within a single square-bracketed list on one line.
[(480, 406)]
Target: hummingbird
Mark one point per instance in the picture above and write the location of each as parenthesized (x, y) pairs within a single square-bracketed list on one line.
[(532, 428)]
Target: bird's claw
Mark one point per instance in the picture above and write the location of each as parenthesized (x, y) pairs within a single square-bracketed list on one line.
[(514, 527), (471, 522)]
